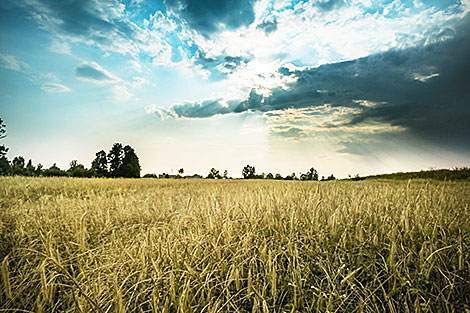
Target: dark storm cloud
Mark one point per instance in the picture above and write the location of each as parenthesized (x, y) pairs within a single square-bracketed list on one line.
[(422, 89), (99, 22), (268, 25), (211, 16)]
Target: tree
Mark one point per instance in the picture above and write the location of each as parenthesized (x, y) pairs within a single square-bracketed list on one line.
[(5, 168), (54, 170), (130, 166), (74, 165), (291, 177), (225, 175), (18, 165), (269, 176), (3, 131), (30, 170), (78, 170), (181, 171), (115, 156), (312, 174), (100, 164), (248, 172), (213, 173), (38, 170), (278, 177)]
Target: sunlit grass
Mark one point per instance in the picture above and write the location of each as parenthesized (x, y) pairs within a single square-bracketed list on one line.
[(97, 245)]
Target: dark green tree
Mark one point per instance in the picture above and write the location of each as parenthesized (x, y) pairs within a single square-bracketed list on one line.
[(38, 170), (5, 168), (54, 170), (312, 174), (30, 170), (3, 131), (99, 166), (291, 177), (269, 176), (78, 170), (115, 156), (248, 172), (213, 173), (225, 175), (331, 177), (130, 166), (18, 165), (3, 151)]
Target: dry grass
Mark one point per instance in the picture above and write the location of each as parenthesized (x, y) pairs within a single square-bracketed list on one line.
[(96, 245)]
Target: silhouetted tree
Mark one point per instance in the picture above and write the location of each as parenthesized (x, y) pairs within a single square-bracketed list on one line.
[(291, 177), (331, 177), (38, 170), (150, 176), (225, 175), (3, 151), (248, 172), (115, 156), (3, 131), (312, 174), (54, 170), (181, 171), (130, 166), (78, 170), (278, 177), (99, 166), (18, 165), (5, 168), (269, 176), (213, 173), (30, 170)]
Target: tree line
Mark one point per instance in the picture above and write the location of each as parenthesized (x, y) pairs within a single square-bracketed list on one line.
[(122, 161)]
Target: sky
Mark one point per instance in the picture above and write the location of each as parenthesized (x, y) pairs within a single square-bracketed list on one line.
[(345, 86)]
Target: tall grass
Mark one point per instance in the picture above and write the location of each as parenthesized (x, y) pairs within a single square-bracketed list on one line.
[(95, 245)]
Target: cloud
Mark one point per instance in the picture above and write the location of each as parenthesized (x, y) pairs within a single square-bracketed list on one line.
[(328, 5), (54, 88), (101, 23), (423, 89), (219, 66), (268, 25), (211, 16), (60, 47), (93, 72), (12, 63), (121, 94)]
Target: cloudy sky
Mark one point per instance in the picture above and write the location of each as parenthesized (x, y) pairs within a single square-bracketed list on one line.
[(345, 86)]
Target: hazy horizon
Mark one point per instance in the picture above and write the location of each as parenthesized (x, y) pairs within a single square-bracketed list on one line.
[(346, 87)]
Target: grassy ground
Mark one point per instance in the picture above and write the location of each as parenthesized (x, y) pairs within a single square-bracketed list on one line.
[(97, 245)]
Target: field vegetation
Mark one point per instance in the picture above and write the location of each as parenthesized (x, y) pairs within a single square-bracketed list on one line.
[(147, 245)]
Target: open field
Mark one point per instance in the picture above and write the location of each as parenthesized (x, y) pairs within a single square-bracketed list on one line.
[(123, 245)]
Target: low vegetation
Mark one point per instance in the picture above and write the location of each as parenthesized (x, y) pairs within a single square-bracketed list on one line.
[(126, 245), (459, 173)]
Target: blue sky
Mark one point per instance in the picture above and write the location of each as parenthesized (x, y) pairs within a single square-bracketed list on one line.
[(345, 86)]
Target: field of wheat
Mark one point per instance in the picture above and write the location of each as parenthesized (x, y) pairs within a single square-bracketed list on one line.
[(147, 245)]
